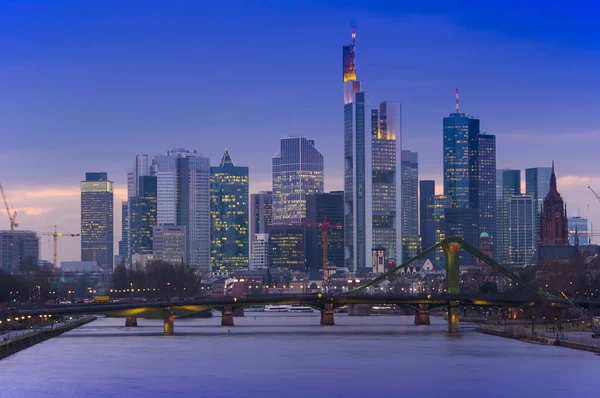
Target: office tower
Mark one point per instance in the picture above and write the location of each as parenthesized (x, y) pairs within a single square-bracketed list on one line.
[(461, 141), (260, 252), (537, 185), (18, 247), (521, 226), (508, 184), (97, 219), (261, 211), (410, 204), (437, 204), (486, 176), (169, 243), (142, 216), (553, 221), (229, 216), (297, 172), (193, 207), (289, 248), (331, 206), (426, 228), (141, 167), (166, 169), (579, 233), (463, 222), (355, 218), (124, 242)]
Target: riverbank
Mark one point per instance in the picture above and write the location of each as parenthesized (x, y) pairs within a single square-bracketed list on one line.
[(34, 337), (539, 339)]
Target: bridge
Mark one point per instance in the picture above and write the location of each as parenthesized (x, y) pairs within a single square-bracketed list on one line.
[(326, 304)]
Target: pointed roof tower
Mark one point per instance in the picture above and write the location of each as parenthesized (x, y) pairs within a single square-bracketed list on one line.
[(226, 160)]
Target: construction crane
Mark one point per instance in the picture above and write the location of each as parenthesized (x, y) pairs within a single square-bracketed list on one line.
[(325, 226), (57, 235), (594, 192), (11, 216)]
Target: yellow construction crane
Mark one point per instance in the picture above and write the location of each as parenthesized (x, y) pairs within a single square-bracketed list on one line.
[(57, 235), (11, 216)]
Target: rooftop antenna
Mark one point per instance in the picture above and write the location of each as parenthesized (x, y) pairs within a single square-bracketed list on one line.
[(457, 100)]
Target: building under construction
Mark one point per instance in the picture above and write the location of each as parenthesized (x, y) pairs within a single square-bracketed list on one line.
[(18, 247)]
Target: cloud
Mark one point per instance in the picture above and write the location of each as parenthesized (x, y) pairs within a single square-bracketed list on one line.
[(570, 180), (23, 195), (33, 211)]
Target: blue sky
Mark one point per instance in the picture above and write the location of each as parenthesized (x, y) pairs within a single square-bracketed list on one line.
[(86, 85)]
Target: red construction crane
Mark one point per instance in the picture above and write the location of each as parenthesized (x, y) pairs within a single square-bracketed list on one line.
[(325, 226)]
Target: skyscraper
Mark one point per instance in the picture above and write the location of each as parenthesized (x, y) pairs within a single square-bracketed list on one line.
[(97, 219), (169, 243), (437, 204), (355, 232), (260, 253), (508, 184), (553, 221), (331, 206), (166, 169), (193, 207), (521, 229), (578, 231), (124, 242), (461, 142), (486, 177), (142, 216), (18, 247), (261, 213), (410, 205), (537, 185), (297, 172), (229, 215)]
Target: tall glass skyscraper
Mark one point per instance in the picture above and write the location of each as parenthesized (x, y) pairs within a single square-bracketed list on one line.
[(355, 218), (461, 142), (229, 216), (261, 213), (537, 185), (486, 177), (142, 216), (521, 229), (437, 204), (410, 205), (97, 219), (427, 225), (508, 184), (297, 172), (578, 231)]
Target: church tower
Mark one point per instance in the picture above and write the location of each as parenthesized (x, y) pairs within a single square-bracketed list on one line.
[(554, 229)]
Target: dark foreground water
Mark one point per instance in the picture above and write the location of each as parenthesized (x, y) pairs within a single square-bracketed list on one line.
[(273, 355)]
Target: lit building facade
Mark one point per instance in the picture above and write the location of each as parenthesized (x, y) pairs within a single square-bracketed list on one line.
[(411, 243), (537, 185), (437, 205), (521, 229), (355, 176), (508, 184), (297, 172), (229, 216), (142, 216), (426, 223), (97, 219), (486, 177), (289, 248), (260, 253), (261, 213), (331, 206), (17, 247), (169, 243)]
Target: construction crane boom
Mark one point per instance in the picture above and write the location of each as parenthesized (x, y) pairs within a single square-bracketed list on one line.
[(11, 217), (57, 235), (594, 192)]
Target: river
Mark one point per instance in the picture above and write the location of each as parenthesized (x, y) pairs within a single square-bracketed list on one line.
[(275, 355)]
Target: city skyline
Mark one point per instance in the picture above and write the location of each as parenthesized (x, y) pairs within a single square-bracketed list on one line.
[(49, 196)]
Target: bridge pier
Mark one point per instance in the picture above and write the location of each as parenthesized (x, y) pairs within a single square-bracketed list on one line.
[(422, 315), (327, 315), (130, 321), (227, 316), (169, 325), (453, 321)]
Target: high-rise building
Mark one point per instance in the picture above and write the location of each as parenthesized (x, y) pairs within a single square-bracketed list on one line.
[(193, 207), (331, 206), (508, 184), (297, 172), (289, 248), (97, 219), (427, 226), (537, 185), (124, 242), (166, 169), (553, 221), (461, 141), (463, 222), (169, 243), (355, 217), (142, 216), (486, 177), (260, 252), (579, 233), (437, 205), (229, 216), (261, 213), (18, 247), (410, 204), (521, 227)]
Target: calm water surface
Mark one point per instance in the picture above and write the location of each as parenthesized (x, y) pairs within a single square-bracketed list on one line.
[(274, 355)]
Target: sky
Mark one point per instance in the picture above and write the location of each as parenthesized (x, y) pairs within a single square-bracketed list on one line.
[(87, 85)]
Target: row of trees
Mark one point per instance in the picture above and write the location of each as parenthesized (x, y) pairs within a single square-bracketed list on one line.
[(30, 283), (159, 279)]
